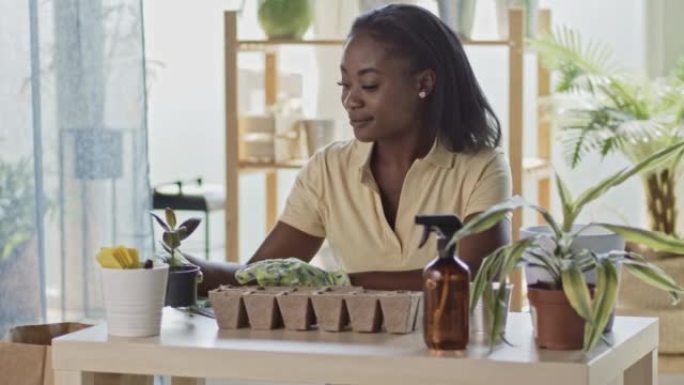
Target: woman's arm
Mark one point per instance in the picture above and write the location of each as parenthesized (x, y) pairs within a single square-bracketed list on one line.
[(388, 280), (471, 250), (282, 242)]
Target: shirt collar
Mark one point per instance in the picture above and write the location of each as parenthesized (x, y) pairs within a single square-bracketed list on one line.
[(439, 155)]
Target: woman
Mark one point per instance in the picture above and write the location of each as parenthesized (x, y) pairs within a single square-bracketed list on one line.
[(426, 142)]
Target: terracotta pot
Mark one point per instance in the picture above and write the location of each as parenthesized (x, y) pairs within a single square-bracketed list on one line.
[(556, 324)]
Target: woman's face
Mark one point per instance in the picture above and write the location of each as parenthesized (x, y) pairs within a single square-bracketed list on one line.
[(378, 90)]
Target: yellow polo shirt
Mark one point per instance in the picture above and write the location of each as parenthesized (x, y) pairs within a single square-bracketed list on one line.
[(335, 196)]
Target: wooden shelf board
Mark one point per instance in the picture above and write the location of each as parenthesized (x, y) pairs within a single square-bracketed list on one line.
[(293, 164), (256, 45), (538, 166)]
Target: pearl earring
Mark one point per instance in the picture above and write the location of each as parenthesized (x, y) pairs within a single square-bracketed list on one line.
[(422, 94)]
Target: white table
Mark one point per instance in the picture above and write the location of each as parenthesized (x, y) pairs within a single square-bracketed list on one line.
[(193, 347)]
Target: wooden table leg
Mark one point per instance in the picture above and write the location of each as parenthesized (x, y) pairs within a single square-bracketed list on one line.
[(68, 377), (187, 381), (644, 371)]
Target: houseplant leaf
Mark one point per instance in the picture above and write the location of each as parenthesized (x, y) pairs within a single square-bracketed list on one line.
[(160, 222), (655, 277), (170, 217), (566, 201), (618, 178), (190, 226), (488, 218), (655, 240), (606, 295), (576, 290), (500, 263)]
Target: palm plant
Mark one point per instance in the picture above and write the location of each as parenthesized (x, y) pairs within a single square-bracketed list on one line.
[(601, 108), (553, 253)]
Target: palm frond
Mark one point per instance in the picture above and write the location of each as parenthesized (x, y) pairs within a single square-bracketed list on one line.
[(565, 52), (678, 70)]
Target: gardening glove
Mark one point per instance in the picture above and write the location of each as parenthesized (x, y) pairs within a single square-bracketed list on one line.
[(289, 272)]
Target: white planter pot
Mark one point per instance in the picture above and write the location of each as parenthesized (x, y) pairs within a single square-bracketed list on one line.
[(593, 238), (134, 299)]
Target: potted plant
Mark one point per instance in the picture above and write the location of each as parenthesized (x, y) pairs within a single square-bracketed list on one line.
[(568, 293), (133, 292), (183, 276), (603, 109)]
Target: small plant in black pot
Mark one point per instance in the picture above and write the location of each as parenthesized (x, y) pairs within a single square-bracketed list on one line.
[(181, 290)]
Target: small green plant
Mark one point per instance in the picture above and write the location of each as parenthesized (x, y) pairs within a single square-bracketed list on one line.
[(17, 206), (173, 236), (553, 253)]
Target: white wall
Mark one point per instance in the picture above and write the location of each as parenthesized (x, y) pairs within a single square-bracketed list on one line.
[(186, 97)]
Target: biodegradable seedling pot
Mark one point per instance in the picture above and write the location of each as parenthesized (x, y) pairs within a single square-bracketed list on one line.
[(229, 307), (344, 289), (330, 310), (262, 309), (364, 311), (400, 310), (296, 309)]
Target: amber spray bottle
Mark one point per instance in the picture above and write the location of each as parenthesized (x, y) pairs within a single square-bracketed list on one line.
[(446, 286)]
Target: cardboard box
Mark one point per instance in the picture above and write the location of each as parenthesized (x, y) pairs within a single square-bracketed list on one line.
[(26, 357)]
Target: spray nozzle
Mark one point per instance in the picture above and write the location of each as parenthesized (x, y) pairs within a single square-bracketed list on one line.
[(445, 226)]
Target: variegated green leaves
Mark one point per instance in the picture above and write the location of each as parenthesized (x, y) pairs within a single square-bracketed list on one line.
[(497, 265), (597, 311), (572, 209), (553, 253)]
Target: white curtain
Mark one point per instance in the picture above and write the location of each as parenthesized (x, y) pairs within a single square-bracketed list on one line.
[(73, 133)]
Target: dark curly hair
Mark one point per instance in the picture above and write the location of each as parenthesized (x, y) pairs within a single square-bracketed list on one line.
[(457, 107)]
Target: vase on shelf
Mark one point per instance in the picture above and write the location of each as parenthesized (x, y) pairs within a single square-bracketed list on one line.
[(459, 15), (285, 19), (530, 9)]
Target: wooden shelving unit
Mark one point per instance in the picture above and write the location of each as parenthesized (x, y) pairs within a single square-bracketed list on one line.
[(537, 167)]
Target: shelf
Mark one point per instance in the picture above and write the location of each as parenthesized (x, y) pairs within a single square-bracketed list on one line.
[(256, 45), (537, 166), (261, 45), (291, 164)]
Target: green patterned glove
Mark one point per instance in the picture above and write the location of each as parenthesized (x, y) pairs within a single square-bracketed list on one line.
[(289, 272)]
